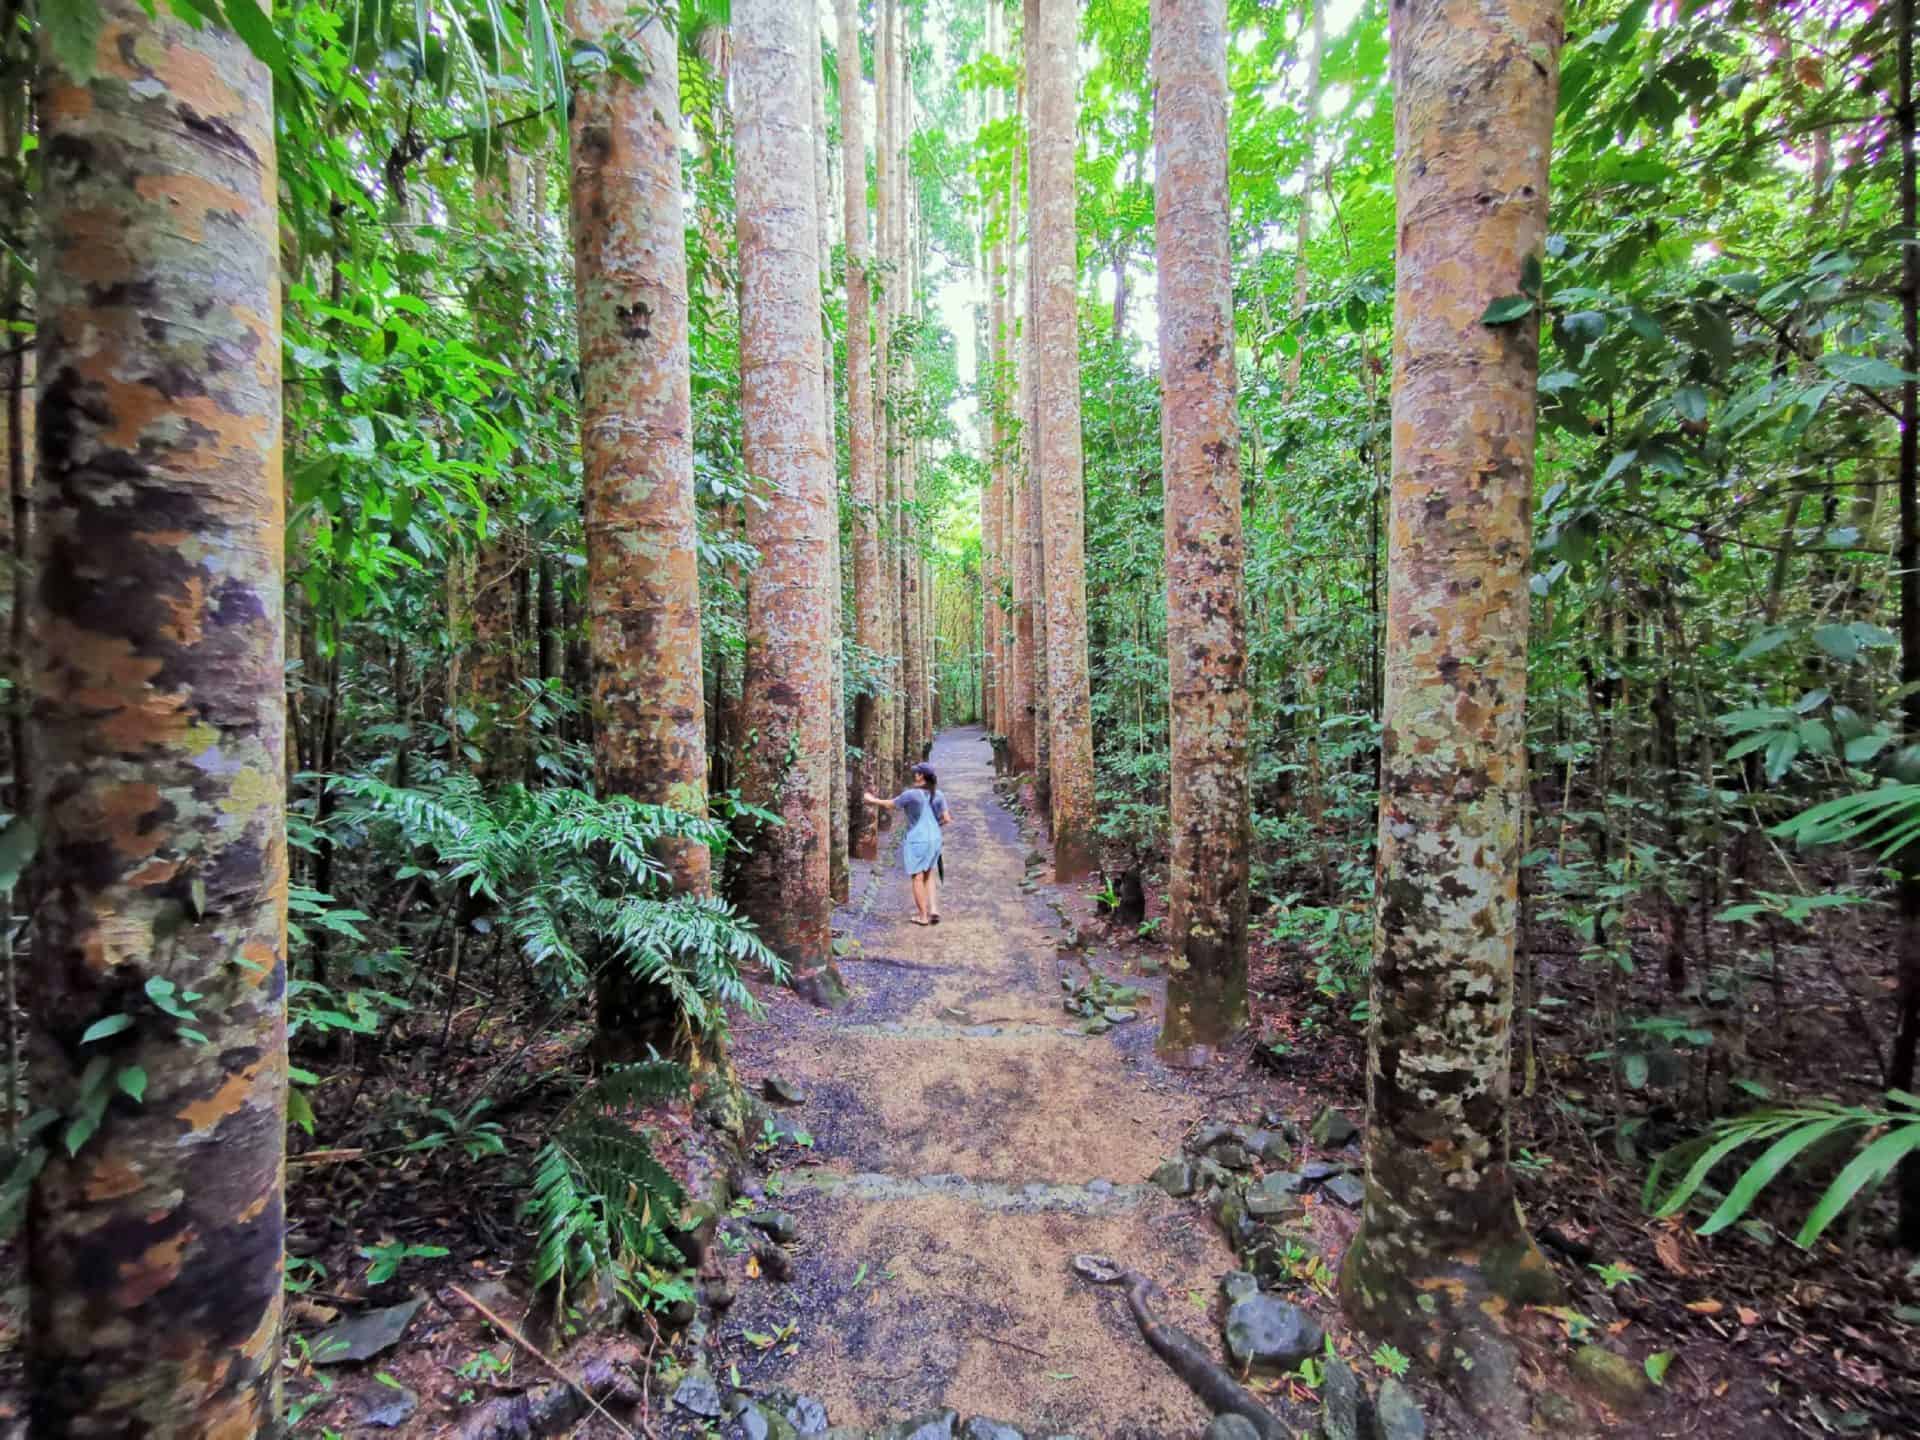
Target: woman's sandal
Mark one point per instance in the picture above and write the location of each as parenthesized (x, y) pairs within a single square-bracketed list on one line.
[(916, 920)]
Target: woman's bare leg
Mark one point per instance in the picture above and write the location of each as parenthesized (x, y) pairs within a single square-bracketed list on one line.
[(920, 897), (933, 892)]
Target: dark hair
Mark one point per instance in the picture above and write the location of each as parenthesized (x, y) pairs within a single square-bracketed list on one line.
[(925, 771)]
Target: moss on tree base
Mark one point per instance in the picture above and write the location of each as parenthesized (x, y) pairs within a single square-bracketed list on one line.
[(1450, 1311)]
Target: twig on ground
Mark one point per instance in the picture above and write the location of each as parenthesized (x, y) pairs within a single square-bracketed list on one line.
[(1010, 1344), (506, 1329)]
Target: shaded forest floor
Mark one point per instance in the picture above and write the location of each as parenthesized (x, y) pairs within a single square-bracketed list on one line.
[(900, 1239)]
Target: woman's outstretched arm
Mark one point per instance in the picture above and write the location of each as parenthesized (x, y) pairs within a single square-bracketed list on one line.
[(873, 799)]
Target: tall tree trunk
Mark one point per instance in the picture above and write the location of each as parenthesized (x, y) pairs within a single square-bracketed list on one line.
[(886, 764), (1906, 1041), (1303, 231), (1054, 68), (1033, 520), (838, 878), (789, 677), (863, 839), (548, 610), (1035, 534), (155, 1248), (901, 291), (987, 371), (16, 407), (1023, 690), (1004, 614), (1206, 559), (636, 436), (492, 668), (1441, 1242)]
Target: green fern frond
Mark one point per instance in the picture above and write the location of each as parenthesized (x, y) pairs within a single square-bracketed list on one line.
[(600, 1199), (1795, 1135)]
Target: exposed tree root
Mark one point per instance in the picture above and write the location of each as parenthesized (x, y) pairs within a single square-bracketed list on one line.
[(1202, 1374)]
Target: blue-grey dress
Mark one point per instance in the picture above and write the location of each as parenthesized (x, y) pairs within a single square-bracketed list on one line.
[(920, 846)]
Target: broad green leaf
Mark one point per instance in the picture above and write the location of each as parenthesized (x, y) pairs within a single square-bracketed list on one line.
[(103, 1029), (1621, 462), (1765, 640), (1865, 370), (1782, 750), (73, 32), (1761, 1173), (1839, 641), (1507, 309), (1869, 1167), (18, 843), (251, 24), (1862, 748)]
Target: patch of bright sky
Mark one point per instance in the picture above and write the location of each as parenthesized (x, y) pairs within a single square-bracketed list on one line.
[(957, 292)]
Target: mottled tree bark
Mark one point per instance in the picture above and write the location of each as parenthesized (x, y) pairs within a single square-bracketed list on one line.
[(1441, 1249), (987, 363), (1033, 521), (863, 840), (1206, 560), (160, 713), (1034, 535), (1023, 693), (838, 877), (1056, 269), (789, 678), (636, 436), (1022, 732)]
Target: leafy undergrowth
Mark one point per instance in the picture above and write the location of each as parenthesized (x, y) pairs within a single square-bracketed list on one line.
[(435, 1155), (1820, 1341)]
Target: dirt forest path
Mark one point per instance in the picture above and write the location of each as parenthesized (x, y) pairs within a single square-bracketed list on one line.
[(967, 1140)]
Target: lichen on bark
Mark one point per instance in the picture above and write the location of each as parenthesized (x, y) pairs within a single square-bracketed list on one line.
[(1441, 1250), (155, 1247), (1205, 557)]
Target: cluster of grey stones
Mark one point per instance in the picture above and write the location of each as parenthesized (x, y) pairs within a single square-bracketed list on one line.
[(1266, 1334)]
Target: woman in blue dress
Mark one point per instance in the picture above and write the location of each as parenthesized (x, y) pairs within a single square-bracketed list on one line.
[(920, 845)]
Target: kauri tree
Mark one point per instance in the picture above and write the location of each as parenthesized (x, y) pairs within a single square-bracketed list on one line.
[(156, 1228), (869, 624), (1206, 607), (1441, 1247), (1052, 72), (636, 440), (789, 676)]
